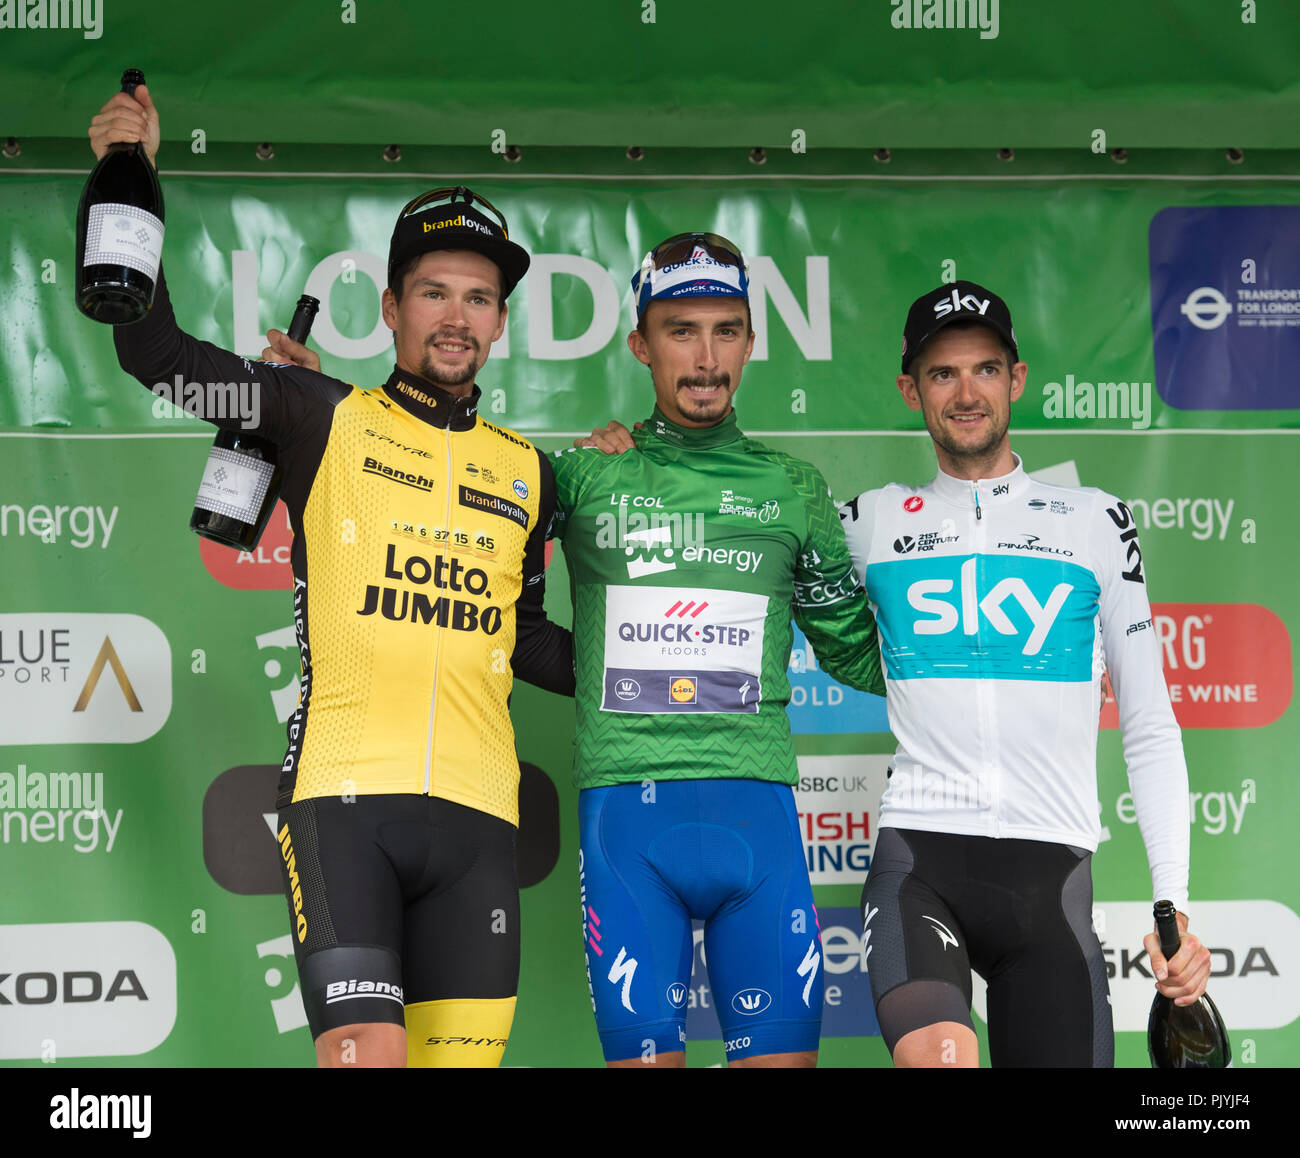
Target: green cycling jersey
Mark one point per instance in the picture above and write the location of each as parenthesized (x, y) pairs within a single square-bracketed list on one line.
[(686, 560)]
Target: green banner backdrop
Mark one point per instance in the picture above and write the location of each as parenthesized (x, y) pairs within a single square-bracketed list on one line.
[(149, 929)]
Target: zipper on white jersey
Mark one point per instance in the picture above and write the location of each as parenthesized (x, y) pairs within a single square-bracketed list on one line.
[(437, 652), (984, 696)]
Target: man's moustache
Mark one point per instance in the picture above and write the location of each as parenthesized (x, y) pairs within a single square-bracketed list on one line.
[(723, 380)]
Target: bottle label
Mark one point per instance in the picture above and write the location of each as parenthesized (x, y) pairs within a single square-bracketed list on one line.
[(124, 235), (234, 484)]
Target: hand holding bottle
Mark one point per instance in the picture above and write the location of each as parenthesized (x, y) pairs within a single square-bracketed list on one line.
[(282, 348), (1183, 976), (1184, 1028), (126, 117)]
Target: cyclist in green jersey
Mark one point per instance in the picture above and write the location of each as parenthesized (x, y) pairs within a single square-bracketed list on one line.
[(686, 562)]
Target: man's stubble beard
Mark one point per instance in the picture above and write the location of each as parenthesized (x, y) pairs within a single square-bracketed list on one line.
[(462, 377), (982, 449)]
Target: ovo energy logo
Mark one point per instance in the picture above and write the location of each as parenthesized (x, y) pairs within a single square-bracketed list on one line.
[(75, 678)]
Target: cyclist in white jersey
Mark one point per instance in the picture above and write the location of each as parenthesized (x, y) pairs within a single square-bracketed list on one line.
[(1000, 602)]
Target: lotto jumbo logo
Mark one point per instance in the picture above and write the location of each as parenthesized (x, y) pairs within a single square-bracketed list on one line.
[(682, 690)]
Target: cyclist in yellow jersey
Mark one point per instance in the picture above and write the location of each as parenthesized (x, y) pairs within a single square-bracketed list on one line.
[(418, 560)]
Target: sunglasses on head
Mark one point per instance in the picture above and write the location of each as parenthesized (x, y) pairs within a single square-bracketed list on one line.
[(680, 247), (454, 193)]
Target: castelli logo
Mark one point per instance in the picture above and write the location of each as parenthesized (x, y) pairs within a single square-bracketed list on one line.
[(913, 503)]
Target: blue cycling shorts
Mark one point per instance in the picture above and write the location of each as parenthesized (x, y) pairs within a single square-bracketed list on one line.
[(728, 852)]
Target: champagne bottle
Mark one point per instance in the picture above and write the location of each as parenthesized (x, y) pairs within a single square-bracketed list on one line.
[(241, 480), (1181, 1037), (119, 231)]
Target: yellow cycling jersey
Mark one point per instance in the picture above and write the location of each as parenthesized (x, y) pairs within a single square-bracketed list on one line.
[(418, 552)]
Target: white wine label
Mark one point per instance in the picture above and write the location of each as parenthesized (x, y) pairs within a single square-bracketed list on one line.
[(234, 484), (124, 235)]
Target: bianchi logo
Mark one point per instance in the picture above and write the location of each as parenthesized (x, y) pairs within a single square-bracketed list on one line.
[(1031, 544), (1206, 308), (944, 933)]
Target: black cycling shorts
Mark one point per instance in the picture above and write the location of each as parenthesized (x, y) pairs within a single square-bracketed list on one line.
[(397, 899), (1019, 912)]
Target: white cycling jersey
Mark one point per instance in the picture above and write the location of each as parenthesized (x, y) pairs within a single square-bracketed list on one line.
[(1000, 604)]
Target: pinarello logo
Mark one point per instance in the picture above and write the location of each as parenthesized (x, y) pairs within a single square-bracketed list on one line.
[(1227, 665), (265, 568), (913, 503)]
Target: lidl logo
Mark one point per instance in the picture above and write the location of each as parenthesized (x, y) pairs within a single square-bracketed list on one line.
[(683, 690)]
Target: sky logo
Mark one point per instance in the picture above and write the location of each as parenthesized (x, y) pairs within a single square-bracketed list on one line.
[(986, 616)]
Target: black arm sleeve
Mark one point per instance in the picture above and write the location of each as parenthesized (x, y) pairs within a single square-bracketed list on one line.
[(543, 653), (278, 402)]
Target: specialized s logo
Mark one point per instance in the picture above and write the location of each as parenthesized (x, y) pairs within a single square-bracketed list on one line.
[(808, 967), (622, 971), (1122, 517)]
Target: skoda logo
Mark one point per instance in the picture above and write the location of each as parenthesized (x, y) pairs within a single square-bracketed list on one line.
[(1206, 308), (751, 1001)]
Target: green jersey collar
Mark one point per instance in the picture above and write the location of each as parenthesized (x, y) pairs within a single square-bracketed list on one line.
[(694, 437)]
